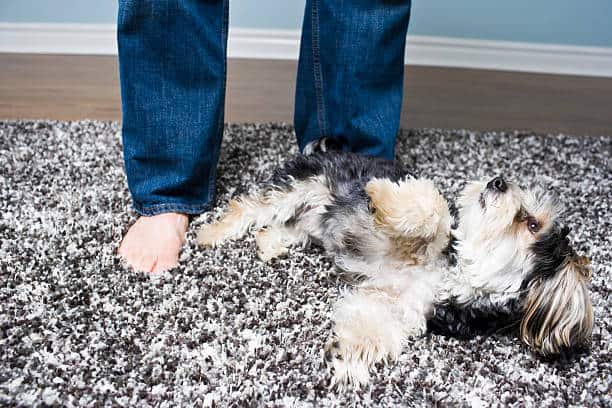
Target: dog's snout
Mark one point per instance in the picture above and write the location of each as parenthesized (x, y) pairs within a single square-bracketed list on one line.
[(497, 184)]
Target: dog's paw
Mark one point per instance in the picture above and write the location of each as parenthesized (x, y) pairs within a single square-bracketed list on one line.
[(270, 244), (321, 145), (395, 206), (211, 234), (350, 362)]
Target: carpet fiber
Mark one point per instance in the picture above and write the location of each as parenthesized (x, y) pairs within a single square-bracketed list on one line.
[(78, 328)]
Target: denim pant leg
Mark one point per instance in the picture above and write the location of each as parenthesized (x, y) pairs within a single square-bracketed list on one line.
[(172, 59), (351, 74)]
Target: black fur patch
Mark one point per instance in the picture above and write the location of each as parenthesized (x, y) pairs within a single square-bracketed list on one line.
[(480, 316), (454, 212), (352, 243), (550, 252), (450, 252), (338, 168)]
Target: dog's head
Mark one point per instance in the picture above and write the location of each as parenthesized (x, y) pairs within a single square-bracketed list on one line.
[(512, 240)]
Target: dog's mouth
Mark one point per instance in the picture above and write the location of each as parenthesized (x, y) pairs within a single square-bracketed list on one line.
[(481, 201)]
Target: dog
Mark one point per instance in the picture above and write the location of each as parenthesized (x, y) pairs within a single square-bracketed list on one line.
[(507, 262)]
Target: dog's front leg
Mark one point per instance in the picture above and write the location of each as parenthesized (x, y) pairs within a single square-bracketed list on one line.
[(370, 325), (414, 213)]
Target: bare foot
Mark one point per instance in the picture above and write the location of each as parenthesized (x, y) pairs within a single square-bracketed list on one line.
[(153, 243)]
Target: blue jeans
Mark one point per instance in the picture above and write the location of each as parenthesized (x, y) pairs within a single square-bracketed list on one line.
[(172, 58)]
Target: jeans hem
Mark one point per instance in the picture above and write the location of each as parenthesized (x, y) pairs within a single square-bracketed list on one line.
[(155, 209)]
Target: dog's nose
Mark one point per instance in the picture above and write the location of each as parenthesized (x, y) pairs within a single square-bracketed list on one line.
[(497, 184)]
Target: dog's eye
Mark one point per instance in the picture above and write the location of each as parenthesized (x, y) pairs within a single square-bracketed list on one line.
[(533, 225)]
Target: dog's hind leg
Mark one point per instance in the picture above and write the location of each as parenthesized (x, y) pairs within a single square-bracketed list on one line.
[(241, 213), (273, 206)]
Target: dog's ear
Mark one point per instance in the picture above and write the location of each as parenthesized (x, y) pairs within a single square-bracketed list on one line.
[(558, 314)]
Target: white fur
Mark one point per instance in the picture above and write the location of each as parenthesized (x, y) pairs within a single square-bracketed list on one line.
[(373, 321), (491, 258)]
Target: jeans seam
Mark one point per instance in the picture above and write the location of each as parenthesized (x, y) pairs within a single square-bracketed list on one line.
[(318, 76), (212, 179)]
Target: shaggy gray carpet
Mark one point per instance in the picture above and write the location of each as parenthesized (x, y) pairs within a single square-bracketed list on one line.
[(78, 328)]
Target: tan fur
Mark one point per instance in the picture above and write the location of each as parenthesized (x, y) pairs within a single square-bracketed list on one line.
[(410, 250), (414, 214), (558, 312), (215, 233)]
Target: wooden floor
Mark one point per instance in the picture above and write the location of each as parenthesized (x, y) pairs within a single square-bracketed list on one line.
[(77, 87)]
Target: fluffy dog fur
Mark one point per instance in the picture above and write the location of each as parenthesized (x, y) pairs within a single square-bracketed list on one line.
[(510, 262)]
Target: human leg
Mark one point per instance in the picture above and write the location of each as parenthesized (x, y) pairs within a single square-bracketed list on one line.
[(172, 69), (350, 74)]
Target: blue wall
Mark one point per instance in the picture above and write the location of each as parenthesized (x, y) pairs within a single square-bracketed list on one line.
[(576, 22)]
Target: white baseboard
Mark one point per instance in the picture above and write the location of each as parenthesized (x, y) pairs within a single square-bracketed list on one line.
[(100, 39), (56, 38)]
